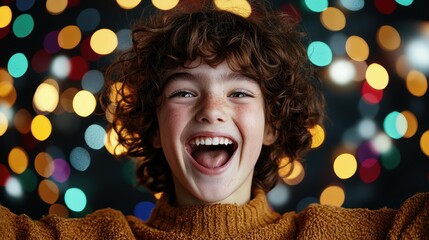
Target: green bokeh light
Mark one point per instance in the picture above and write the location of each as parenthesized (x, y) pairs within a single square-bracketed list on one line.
[(23, 25)]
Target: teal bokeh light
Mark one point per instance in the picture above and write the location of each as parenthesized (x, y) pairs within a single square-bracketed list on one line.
[(395, 125), (75, 199), (316, 5), (319, 53), (17, 65), (405, 2)]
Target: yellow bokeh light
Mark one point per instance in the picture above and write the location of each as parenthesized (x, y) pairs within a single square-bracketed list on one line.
[(69, 37), (6, 16), (59, 210), (424, 143), (18, 160), (84, 103), (345, 166), (128, 4), (46, 97), (239, 7), (377, 76), (4, 124), (165, 5), (48, 191), (22, 121), (357, 48), (9, 98), (292, 173), (44, 165), (112, 145), (333, 19), (417, 84), (56, 7), (41, 127), (388, 38), (333, 195), (412, 124), (318, 136), (104, 41)]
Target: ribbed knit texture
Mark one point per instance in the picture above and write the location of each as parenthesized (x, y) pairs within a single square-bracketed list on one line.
[(254, 220)]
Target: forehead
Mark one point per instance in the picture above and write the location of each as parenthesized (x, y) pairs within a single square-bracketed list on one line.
[(198, 69)]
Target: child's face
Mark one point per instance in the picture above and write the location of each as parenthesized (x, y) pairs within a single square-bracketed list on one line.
[(223, 109)]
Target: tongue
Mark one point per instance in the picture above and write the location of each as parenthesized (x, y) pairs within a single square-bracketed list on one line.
[(211, 158)]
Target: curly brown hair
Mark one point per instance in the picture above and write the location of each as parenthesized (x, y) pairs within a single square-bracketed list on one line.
[(266, 46)]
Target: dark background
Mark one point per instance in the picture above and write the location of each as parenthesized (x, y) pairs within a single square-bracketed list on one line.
[(108, 181)]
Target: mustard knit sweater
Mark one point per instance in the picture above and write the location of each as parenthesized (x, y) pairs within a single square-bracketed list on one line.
[(254, 220)]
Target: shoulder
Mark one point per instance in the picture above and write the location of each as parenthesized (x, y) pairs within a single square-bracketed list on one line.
[(101, 224), (325, 221)]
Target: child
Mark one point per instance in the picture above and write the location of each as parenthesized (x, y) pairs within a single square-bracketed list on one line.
[(209, 102)]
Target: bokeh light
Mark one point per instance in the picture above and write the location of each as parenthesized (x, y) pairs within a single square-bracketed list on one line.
[(84, 103), (6, 14), (333, 19), (48, 191), (56, 7), (167, 5), (369, 170), (388, 38), (23, 25), (59, 210), (13, 187), (18, 160), (417, 53), (80, 159), (345, 165), (128, 4), (357, 48), (377, 76), (41, 127), (316, 5), (238, 7), (17, 65), (69, 37), (319, 53), (104, 41), (353, 5), (95, 136), (333, 195), (417, 84), (342, 72), (75, 199), (46, 98), (395, 125), (318, 136), (412, 124), (424, 143), (43, 164)]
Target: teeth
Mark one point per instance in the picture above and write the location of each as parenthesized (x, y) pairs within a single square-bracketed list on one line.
[(211, 141)]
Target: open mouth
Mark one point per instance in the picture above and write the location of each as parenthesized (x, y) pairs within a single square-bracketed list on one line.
[(212, 152)]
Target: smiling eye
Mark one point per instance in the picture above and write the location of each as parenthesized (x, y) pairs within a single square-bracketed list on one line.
[(182, 93), (240, 94)]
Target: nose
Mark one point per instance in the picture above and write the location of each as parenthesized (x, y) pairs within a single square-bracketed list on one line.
[(212, 109)]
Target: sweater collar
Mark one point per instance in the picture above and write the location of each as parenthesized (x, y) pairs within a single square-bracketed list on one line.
[(213, 220)]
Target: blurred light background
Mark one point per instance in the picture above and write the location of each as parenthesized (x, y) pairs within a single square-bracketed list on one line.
[(56, 154)]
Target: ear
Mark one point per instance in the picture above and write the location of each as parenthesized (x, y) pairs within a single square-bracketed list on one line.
[(270, 135), (156, 140)]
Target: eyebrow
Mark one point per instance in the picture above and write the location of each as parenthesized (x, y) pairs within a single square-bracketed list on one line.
[(190, 76)]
